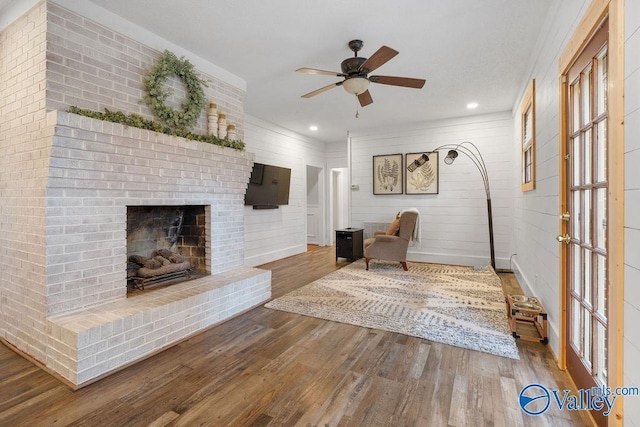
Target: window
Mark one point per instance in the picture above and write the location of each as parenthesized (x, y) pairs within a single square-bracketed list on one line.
[(528, 138)]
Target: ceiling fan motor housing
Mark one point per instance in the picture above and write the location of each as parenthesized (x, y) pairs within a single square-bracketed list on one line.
[(351, 67)]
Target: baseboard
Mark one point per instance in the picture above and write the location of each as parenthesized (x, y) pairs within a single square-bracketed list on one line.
[(263, 258), (554, 335), (501, 263)]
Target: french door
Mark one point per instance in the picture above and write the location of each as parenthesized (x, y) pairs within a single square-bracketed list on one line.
[(585, 235)]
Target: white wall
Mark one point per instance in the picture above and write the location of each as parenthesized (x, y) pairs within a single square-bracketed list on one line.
[(272, 234), (632, 206), (336, 154), (454, 222)]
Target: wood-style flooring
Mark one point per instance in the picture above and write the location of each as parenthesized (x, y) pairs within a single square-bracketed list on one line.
[(271, 368)]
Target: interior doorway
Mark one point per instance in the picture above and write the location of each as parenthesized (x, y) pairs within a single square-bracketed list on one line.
[(316, 234), (339, 199)]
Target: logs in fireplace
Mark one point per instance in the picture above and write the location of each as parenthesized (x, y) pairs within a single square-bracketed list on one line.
[(163, 266), (164, 244)]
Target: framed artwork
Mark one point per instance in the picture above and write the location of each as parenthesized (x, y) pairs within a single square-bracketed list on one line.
[(422, 175), (388, 174)]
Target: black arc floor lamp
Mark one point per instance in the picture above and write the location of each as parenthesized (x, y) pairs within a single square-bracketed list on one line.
[(470, 150)]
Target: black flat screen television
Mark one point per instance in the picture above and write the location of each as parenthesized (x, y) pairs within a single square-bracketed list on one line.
[(268, 187)]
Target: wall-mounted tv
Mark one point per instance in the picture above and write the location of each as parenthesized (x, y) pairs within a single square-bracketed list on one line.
[(268, 187)]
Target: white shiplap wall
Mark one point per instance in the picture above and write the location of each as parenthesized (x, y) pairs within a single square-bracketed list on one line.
[(536, 212), (454, 222), (272, 234), (336, 154), (632, 206)]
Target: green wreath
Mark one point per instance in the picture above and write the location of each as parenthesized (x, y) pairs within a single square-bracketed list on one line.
[(169, 65)]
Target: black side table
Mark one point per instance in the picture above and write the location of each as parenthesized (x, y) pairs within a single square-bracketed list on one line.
[(349, 243)]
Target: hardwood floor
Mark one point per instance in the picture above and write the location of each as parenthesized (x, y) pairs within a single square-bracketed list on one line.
[(271, 368)]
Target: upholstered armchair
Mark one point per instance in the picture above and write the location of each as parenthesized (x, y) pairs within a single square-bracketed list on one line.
[(391, 245)]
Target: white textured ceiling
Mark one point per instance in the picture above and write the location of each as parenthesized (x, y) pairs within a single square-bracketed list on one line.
[(467, 50)]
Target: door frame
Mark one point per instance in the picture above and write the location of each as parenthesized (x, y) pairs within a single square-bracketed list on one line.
[(322, 202), (595, 14)]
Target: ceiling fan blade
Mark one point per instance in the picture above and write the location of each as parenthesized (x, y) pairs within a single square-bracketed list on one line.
[(322, 89), (365, 98), (315, 71), (398, 81), (380, 57)]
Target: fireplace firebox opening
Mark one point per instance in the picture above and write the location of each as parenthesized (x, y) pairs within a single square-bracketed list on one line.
[(165, 245)]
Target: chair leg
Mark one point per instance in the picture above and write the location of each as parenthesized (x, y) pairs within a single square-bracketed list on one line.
[(366, 260), (404, 265)]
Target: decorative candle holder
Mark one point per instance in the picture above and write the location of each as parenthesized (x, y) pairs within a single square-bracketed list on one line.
[(231, 132), (222, 126), (212, 119)]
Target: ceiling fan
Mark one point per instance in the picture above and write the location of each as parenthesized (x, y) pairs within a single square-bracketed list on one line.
[(356, 74)]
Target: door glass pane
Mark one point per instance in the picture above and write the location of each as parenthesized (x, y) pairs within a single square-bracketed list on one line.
[(601, 364), (586, 254), (575, 154), (601, 295), (601, 152), (585, 94), (587, 157), (576, 338), (586, 216), (601, 82), (576, 276), (575, 215), (575, 106), (587, 336), (600, 217)]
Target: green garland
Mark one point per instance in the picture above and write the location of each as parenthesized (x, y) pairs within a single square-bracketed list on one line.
[(135, 120), (169, 65)]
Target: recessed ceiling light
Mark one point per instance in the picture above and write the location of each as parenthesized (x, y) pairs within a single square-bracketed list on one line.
[(472, 105), (313, 128)]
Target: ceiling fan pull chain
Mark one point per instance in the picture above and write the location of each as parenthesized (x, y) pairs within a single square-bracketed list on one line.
[(357, 107)]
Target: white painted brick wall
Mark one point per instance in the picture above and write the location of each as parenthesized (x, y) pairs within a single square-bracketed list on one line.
[(112, 75), (23, 158)]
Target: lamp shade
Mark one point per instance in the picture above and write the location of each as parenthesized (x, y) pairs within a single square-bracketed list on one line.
[(356, 85), (424, 158), (451, 156)]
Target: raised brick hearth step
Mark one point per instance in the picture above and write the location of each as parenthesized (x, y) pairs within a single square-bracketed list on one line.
[(98, 340)]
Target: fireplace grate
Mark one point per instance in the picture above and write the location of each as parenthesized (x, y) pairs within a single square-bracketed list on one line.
[(139, 283)]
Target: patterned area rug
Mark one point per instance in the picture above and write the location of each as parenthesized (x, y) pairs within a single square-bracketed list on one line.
[(454, 305)]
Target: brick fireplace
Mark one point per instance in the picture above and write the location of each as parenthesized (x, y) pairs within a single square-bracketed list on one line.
[(96, 172), (67, 182)]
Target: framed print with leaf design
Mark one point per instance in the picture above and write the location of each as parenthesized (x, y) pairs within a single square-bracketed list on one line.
[(422, 175), (387, 174)]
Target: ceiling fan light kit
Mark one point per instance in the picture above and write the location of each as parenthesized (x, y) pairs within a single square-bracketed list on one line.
[(356, 85), (355, 72)]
